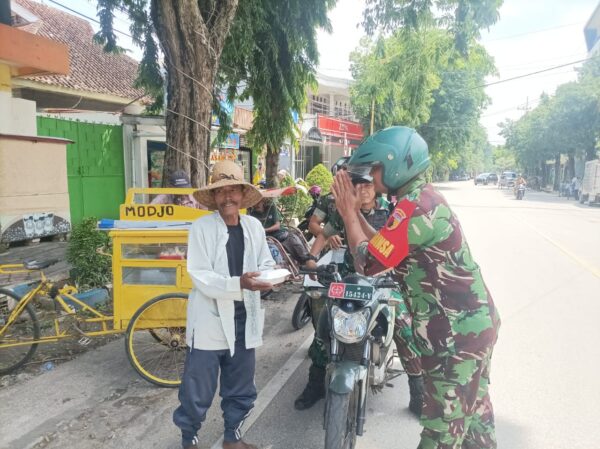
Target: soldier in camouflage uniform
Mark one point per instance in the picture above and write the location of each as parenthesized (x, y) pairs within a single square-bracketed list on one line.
[(455, 322), (375, 210)]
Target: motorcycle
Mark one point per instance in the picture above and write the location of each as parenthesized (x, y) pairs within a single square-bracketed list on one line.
[(314, 290), (358, 324), (520, 191)]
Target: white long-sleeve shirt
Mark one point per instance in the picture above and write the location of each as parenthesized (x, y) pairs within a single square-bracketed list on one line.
[(211, 311)]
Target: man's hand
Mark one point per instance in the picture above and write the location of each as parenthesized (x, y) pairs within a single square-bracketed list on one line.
[(248, 282), (347, 199), (335, 242), (311, 265)]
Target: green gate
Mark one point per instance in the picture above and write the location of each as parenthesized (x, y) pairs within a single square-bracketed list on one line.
[(95, 166)]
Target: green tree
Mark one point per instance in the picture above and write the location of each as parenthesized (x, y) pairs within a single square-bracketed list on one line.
[(452, 131), (270, 56), (191, 34), (320, 176), (504, 159), (425, 83), (395, 78), (567, 123), (464, 18)]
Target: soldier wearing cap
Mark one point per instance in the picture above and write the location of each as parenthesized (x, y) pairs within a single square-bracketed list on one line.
[(226, 253)]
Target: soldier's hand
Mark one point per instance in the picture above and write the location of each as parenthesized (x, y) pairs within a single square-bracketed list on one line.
[(335, 242), (311, 265), (248, 281), (347, 199)]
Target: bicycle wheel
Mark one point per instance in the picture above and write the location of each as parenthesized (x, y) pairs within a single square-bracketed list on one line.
[(17, 342), (155, 340)]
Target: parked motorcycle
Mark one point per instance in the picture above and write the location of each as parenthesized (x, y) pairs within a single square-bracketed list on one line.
[(359, 327), (314, 290), (520, 191)]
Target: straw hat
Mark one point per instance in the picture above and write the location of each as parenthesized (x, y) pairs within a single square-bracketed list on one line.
[(227, 173)]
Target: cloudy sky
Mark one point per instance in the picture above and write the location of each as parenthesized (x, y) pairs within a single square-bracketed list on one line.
[(531, 35)]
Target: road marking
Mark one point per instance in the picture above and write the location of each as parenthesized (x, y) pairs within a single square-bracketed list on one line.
[(585, 264), (270, 390)]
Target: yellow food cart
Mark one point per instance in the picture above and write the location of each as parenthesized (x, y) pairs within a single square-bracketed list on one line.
[(150, 282)]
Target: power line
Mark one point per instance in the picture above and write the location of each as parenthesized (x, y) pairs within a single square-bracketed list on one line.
[(87, 17), (535, 32), (531, 73)]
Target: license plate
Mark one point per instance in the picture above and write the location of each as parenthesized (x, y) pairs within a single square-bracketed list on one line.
[(340, 290)]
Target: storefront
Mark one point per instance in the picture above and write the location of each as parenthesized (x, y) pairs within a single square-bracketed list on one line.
[(324, 140), (232, 150), (144, 141)]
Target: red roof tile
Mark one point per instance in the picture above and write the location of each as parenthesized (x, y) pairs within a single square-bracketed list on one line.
[(92, 69)]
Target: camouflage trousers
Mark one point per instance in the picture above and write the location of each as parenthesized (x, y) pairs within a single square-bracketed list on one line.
[(457, 411), (403, 337)]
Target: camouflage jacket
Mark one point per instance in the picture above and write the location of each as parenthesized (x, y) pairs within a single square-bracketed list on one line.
[(453, 311), (376, 217), (325, 208)]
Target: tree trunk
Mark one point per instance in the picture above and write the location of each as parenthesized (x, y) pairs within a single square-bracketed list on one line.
[(544, 171), (192, 34), (590, 154), (272, 163), (557, 172), (570, 167)]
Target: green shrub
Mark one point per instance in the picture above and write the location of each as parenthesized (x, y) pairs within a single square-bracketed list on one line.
[(90, 269), (293, 206), (320, 176)]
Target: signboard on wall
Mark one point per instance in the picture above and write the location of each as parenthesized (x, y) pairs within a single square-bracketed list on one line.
[(232, 141), (342, 132)]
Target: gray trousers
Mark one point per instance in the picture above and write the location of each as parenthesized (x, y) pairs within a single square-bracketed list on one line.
[(199, 384)]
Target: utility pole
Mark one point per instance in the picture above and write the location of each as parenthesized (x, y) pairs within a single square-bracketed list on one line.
[(372, 115)]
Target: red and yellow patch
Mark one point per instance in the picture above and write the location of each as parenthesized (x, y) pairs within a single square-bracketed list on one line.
[(390, 245)]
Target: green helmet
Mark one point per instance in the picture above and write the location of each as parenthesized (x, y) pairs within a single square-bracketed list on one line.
[(401, 151)]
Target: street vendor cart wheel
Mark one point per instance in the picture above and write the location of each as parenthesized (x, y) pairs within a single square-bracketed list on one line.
[(155, 340), (18, 340)]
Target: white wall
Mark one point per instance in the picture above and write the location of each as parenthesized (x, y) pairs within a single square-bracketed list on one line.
[(17, 116)]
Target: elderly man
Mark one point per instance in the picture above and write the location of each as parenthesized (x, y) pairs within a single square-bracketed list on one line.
[(226, 253)]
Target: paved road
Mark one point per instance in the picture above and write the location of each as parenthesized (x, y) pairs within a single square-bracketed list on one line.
[(540, 258)]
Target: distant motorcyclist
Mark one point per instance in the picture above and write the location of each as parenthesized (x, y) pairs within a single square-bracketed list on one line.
[(519, 182)]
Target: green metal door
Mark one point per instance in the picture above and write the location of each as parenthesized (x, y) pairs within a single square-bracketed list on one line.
[(95, 166)]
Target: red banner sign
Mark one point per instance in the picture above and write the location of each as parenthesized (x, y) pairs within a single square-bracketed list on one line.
[(339, 130)]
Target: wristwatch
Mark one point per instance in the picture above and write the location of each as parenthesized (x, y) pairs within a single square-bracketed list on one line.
[(311, 257)]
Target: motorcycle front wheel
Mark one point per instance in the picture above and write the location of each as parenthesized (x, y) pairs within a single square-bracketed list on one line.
[(340, 420), (302, 312)]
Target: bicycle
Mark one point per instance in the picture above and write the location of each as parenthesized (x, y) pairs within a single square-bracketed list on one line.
[(155, 336)]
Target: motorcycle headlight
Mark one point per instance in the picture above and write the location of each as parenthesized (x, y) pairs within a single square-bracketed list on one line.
[(350, 327)]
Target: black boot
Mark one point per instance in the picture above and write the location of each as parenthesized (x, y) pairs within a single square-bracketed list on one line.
[(314, 390), (415, 385)]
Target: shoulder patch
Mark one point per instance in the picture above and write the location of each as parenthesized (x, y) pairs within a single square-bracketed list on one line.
[(390, 245)]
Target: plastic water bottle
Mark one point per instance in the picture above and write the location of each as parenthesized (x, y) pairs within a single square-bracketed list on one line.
[(48, 366)]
